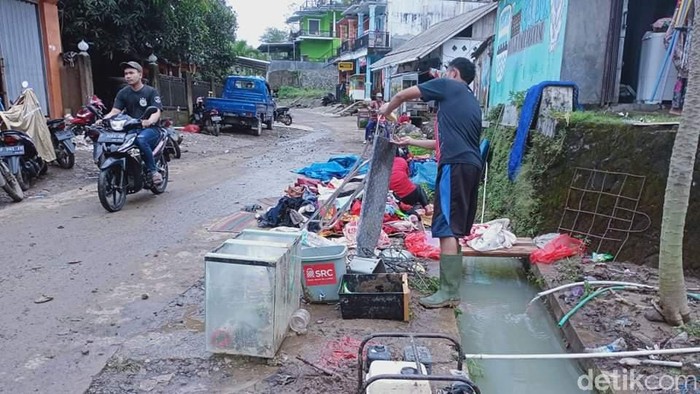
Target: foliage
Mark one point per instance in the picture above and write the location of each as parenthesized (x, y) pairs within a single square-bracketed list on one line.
[(424, 284), (188, 32), (292, 92), (274, 35), (517, 99), (692, 328)]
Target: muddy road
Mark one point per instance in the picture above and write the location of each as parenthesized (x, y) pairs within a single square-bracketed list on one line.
[(76, 282)]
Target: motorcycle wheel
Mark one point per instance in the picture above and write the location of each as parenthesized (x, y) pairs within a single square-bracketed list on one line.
[(44, 167), (111, 189), (177, 153), (162, 166), (12, 187), (286, 119), (22, 180), (64, 158)]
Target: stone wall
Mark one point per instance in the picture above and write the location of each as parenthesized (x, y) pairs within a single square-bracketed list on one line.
[(535, 201), (308, 75)]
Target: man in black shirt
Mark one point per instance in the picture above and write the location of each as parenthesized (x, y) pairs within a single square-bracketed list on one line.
[(457, 133), (133, 101)]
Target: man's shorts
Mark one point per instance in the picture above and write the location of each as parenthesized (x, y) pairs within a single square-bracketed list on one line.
[(456, 194)]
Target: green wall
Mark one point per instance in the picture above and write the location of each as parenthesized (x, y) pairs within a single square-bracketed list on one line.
[(326, 21), (320, 49)]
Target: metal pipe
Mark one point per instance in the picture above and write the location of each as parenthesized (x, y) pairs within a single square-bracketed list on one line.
[(561, 356)]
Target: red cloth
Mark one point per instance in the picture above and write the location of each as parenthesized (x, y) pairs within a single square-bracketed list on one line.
[(404, 119), (399, 182)]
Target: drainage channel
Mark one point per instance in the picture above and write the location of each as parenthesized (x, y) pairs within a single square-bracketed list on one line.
[(494, 320)]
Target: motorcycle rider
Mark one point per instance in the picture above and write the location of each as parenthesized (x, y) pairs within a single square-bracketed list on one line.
[(133, 101)]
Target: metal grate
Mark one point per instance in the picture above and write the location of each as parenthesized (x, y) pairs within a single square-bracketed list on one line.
[(602, 207)]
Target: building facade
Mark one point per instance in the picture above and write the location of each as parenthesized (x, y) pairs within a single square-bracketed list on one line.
[(364, 40), (30, 50), (622, 54), (316, 38)]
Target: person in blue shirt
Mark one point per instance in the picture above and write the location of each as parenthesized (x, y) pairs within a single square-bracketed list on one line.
[(457, 134)]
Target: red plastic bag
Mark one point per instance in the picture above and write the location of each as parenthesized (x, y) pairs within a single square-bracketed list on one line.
[(417, 244), (191, 128), (560, 247)]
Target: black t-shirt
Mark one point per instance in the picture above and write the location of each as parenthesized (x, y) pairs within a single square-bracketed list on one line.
[(135, 102), (458, 131)]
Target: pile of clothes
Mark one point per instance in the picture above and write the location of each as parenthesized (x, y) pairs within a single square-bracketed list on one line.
[(295, 208)]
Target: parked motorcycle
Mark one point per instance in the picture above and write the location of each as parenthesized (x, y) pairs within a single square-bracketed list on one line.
[(210, 120), (9, 183), (174, 139), (63, 144), (283, 116), (87, 116), (18, 151), (122, 171)]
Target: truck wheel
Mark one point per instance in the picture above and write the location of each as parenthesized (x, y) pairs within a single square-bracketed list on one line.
[(268, 125), (258, 129)]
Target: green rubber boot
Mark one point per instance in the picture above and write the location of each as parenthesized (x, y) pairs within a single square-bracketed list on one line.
[(450, 279)]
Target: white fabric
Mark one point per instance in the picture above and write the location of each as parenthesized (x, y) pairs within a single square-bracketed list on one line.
[(26, 116), (492, 235)]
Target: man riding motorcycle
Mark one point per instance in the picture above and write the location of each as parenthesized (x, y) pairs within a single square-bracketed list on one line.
[(133, 101)]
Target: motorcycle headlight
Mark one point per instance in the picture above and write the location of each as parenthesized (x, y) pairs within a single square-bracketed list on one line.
[(117, 125)]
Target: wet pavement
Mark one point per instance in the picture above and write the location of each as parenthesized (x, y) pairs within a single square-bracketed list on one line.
[(110, 277)]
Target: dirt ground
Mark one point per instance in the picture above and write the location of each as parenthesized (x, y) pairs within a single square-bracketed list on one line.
[(621, 314), (331, 344), (143, 331), (195, 146)]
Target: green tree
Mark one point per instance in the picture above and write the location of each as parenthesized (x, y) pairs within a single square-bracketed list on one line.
[(200, 33), (274, 35), (241, 48), (672, 291)]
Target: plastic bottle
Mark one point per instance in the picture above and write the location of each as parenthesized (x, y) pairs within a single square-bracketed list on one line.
[(617, 345), (299, 321)]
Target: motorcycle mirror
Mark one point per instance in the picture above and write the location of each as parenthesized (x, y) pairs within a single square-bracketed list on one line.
[(149, 111)]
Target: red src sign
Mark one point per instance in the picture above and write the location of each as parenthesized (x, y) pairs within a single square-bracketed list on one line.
[(319, 274)]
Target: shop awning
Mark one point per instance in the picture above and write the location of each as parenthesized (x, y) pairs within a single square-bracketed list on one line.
[(429, 40)]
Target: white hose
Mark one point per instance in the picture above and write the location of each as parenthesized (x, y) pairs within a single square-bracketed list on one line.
[(559, 356), (592, 282)]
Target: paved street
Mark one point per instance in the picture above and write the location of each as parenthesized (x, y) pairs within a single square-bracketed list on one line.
[(110, 274)]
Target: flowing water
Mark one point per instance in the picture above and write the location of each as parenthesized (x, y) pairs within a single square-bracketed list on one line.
[(495, 319)]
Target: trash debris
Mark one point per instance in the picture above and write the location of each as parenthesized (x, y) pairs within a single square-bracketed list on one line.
[(43, 299), (601, 257), (617, 345), (559, 248)]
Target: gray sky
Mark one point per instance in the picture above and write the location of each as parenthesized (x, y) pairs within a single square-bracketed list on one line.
[(254, 16)]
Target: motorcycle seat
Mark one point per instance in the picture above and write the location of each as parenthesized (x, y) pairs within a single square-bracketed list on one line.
[(54, 122)]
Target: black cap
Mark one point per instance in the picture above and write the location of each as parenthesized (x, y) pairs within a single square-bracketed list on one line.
[(133, 65)]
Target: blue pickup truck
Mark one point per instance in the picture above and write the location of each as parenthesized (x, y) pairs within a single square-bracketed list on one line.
[(246, 101)]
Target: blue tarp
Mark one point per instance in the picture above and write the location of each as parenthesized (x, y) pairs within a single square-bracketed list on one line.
[(335, 167), (527, 116), (424, 173)]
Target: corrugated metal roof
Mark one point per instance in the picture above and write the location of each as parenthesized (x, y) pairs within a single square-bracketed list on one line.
[(427, 41)]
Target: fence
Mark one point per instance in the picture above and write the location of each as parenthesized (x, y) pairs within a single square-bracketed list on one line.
[(173, 92)]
